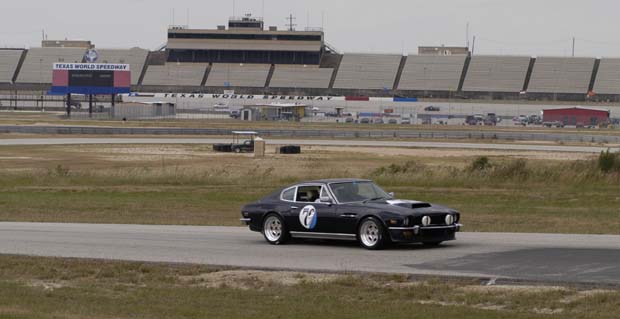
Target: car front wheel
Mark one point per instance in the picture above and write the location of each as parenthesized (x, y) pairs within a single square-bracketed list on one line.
[(371, 234), (274, 230)]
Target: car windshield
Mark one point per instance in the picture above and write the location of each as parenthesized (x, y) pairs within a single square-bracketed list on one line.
[(352, 192)]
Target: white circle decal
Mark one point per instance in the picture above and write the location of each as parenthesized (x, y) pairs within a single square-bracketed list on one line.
[(91, 56), (308, 217)]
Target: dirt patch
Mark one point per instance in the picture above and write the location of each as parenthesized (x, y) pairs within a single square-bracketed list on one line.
[(47, 286), (580, 295), (246, 280), (512, 289), (488, 306), (439, 153)]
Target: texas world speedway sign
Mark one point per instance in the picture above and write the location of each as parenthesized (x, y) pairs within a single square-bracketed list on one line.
[(273, 98)]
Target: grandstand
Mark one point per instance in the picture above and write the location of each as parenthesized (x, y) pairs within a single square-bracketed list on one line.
[(251, 58), (432, 73), (238, 75), (561, 75), (37, 67), (367, 71), (496, 74), (9, 59), (135, 57), (294, 76), (175, 74), (608, 77)]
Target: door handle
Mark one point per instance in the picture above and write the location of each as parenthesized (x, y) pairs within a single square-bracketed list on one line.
[(294, 207), (349, 215)]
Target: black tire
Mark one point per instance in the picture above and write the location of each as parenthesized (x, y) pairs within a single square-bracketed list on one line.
[(371, 234), (237, 150), (272, 234), (432, 243)]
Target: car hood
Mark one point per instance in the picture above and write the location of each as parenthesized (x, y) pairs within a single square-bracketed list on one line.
[(408, 207)]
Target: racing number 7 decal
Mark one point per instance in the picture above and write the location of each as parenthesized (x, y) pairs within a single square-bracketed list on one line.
[(308, 217)]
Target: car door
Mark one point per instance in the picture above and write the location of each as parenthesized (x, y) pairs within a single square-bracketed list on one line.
[(347, 217), (308, 214)]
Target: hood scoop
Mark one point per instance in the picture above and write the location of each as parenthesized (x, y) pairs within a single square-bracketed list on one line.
[(409, 204)]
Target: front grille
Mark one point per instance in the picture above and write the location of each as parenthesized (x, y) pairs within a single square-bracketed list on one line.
[(436, 220)]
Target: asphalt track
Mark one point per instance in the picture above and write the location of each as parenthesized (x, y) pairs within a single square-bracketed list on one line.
[(307, 142), (581, 259)]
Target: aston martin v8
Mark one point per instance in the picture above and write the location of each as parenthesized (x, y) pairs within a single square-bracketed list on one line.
[(349, 209)]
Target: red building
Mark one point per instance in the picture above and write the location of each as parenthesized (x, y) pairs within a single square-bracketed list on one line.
[(577, 116)]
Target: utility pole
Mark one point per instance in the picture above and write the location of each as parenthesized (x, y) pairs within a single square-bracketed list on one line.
[(467, 35), (291, 25), (473, 46), (573, 47)]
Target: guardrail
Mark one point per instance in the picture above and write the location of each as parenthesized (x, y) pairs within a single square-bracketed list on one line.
[(361, 134)]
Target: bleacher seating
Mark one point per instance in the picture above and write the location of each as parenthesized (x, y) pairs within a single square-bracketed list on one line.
[(296, 76), (135, 57), (561, 75), (496, 74), (238, 75), (9, 59), (608, 77), (367, 71), (432, 73), (37, 67), (173, 74)]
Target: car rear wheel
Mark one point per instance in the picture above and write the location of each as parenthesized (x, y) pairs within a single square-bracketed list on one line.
[(237, 150), (371, 234), (274, 230)]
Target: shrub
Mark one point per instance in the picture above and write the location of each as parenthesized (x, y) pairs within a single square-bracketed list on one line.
[(480, 164), (608, 161), (514, 169), (398, 169)]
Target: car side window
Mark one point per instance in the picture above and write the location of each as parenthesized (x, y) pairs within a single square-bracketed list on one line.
[(308, 194), (289, 195)]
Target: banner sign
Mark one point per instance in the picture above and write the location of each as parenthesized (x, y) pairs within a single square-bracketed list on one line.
[(260, 97), (91, 66)]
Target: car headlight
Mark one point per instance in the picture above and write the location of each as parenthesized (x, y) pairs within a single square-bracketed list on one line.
[(449, 219), (426, 221)]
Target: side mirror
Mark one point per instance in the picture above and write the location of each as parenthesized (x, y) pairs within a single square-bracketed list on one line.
[(326, 200), (391, 194)]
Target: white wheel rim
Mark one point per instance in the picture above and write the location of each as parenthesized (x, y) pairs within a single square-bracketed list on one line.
[(273, 228), (370, 234)]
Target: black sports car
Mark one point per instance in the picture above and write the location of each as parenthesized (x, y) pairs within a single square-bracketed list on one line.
[(349, 209)]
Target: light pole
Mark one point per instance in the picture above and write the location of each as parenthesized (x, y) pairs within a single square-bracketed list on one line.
[(41, 81)]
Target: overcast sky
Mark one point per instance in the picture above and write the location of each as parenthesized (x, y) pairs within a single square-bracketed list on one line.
[(522, 27)]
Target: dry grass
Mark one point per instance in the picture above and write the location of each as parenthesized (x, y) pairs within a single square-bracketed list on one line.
[(191, 185), (71, 288)]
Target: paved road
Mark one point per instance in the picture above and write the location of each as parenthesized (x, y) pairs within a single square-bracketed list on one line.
[(536, 257), (304, 142)]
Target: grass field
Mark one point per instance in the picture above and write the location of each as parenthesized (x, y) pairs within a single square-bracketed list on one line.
[(69, 288), (191, 185)]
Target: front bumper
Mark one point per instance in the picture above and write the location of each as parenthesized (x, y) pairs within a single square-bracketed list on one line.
[(418, 234)]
